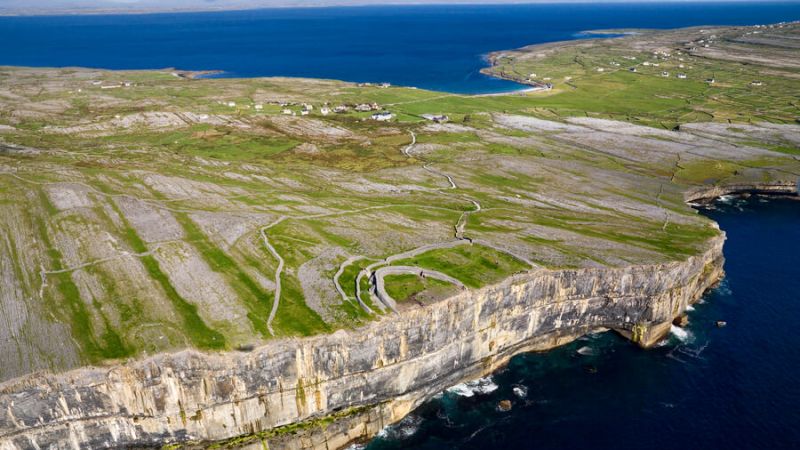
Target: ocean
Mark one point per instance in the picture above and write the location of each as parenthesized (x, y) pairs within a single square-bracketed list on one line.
[(433, 47), (704, 387)]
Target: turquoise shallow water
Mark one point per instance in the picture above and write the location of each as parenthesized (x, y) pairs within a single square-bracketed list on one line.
[(432, 47), (731, 387)]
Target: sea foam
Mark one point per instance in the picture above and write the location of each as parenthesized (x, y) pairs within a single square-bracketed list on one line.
[(681, 334), (481, 386)]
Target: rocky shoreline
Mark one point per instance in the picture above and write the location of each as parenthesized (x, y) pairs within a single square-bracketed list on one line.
[(328, 391)]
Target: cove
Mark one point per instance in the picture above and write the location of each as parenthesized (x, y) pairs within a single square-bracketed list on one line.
[(707, 387)]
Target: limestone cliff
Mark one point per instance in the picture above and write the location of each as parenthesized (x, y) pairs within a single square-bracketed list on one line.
[(327, 391), (708, 193)]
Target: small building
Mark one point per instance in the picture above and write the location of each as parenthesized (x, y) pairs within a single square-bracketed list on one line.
[(682, 76), (382, 116), (287, 112), (365, 107), (305, 112), (232, 104), (632, 69), (341, 109), (756, 83), (385, 85), (259, 107), (710, 80), (600, 69), (308, 107), (665, 74), (325, 110)]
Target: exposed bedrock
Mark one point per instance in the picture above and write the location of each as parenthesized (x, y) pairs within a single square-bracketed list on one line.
[(707, 194), (328, 391)]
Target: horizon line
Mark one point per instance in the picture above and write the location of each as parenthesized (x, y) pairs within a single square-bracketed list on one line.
[(325, 4)]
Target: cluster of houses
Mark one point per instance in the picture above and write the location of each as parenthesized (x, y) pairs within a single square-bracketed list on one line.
[(366, 107), (112, 86), (380, 85)]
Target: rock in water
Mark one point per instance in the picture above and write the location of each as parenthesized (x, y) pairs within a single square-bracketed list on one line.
[(721, 323), (504, 405), (681, 321)]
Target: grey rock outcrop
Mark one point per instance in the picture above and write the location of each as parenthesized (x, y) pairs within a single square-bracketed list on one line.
[(334, 389)]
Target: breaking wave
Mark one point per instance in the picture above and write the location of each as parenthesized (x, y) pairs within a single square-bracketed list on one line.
[(681, 334), (520, 391), (401, 430), (481, 386)]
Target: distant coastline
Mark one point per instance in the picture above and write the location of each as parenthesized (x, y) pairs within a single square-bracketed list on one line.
[(25, 8)]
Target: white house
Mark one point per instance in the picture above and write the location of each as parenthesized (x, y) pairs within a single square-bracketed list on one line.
[(383, 116), (682, 76)]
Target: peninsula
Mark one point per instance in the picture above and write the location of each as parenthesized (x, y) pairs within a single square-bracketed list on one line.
[(293, 263)]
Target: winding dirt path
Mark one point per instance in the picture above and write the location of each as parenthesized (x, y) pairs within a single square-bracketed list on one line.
[(278, 272)]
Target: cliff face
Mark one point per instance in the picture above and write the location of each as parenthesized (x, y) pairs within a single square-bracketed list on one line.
[(709, 193), (331, 390)]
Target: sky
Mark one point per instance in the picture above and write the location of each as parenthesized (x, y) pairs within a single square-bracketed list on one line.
[(43, 6)]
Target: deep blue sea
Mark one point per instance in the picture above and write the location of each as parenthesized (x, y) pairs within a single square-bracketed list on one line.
[(433, 47), (735, 387)]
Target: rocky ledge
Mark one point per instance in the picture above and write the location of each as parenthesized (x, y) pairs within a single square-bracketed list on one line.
[(329, 391)]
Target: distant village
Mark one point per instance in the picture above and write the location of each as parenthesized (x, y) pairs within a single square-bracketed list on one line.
[(683, 70)]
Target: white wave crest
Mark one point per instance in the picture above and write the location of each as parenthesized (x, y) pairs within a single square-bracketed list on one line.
[(726, 198), (681, 334), (481, 386), (520, 390), (401, 430), (689, 308)]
